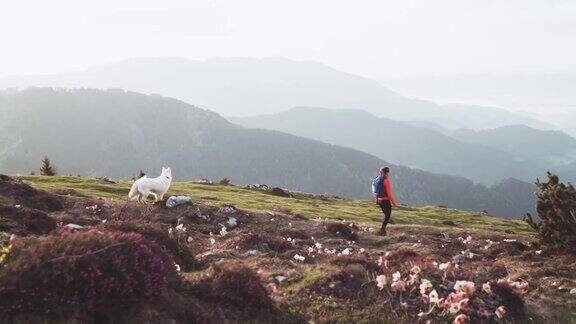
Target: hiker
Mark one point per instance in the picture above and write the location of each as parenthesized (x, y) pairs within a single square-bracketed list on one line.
[(382, 190)]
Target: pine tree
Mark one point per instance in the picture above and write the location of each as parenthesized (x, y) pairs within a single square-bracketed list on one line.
[(47, 168), (556, 206)]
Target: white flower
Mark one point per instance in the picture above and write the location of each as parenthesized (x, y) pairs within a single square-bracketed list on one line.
[(289, 239), (433, 296), (538, 252), (346, 251), (177, 267), (19, 206), (467, 240), (310, 249), (318, 245), (424, 286), (170, 231), (362, 250), (396, 276), (104, 221), (189, 239), (454, 308), (500, 311), (381, 281), (444, 266), (212, 241), (299, 257), (223, 231)]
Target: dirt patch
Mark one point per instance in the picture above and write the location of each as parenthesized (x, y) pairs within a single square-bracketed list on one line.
[(341, 230), (261, 242), (25, 221), (507, 248)]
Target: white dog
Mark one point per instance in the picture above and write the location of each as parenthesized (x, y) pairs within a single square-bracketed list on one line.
[(145, 186)]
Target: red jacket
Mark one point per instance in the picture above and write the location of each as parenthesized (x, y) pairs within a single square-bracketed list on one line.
[(388, 190)]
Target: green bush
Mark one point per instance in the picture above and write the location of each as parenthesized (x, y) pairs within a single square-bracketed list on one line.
[(556, 207)]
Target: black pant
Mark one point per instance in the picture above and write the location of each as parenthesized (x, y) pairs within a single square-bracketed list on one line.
[(386, 207)]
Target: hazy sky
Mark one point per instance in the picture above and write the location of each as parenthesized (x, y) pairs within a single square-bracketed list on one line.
[(375, 38)]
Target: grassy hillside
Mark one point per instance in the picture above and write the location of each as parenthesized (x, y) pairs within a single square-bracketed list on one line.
[(278, 263), (310, 206)]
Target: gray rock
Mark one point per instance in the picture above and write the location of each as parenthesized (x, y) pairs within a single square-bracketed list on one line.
[(174, 201)]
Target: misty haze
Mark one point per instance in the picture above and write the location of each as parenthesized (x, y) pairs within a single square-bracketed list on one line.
[(295, 162)]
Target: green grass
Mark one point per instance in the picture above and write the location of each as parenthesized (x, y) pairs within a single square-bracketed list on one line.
[(307, 205)]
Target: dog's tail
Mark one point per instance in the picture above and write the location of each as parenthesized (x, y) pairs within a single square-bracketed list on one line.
[(133, 194)]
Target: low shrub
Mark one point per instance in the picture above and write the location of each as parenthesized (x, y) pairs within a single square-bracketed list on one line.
[(86, 272), (156, 233), (224, 181), (236, 284)]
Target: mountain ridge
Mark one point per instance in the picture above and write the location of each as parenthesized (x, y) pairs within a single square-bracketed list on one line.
[(115, 133), (400, 142), (248, 86)]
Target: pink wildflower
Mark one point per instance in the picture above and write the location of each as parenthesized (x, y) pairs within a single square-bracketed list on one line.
[(519, 287), (465, 287), (487, 287), (262, 274), (398, 286), (415, 270), (500, 312), (461, 319), (272, 288), (412, 279), (464, 303)]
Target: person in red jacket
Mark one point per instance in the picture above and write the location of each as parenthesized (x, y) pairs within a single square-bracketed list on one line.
[(382, 190)]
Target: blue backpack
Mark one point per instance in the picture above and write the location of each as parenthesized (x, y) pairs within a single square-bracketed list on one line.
[(378, 188)]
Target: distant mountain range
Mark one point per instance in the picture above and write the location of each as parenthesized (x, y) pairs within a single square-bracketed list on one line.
[(116, 133), (544, 96), (247, 86), (483, 156)]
